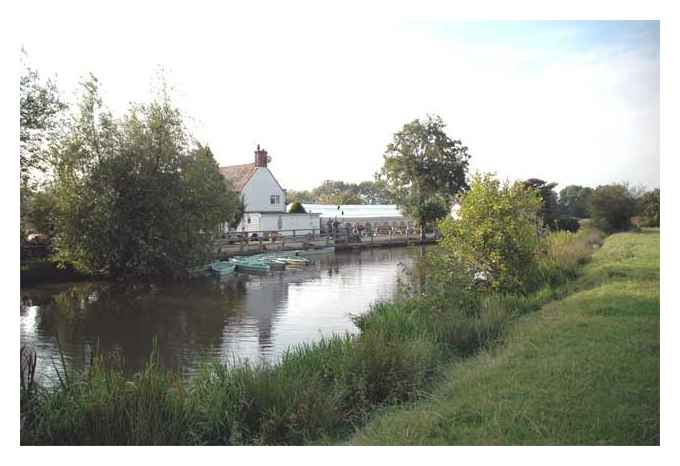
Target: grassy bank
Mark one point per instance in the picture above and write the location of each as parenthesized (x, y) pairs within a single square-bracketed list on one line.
[(582, 370), (318, 393)]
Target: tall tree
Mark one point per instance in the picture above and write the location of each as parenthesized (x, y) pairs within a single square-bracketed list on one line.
[(423, 163), (135, 196), (575, 201), (40, 108), (549, 207)]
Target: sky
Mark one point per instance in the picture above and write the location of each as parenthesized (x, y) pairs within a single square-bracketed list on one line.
[(324, 90)]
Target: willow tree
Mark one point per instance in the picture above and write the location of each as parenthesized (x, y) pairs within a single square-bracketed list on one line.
[(423, 166), (135, 196)]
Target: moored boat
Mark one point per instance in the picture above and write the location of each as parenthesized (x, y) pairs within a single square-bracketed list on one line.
[(296, 260), (221, 268), (252, 266)]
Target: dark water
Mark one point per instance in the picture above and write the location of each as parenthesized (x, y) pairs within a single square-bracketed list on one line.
[(253, 317)]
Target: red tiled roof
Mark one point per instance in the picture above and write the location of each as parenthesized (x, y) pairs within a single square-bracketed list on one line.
[(238, 174)]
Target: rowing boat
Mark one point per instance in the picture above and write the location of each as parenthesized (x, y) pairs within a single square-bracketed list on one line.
[(221, 268)]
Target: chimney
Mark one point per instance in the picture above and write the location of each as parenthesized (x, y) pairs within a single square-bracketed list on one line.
[(260, 157)]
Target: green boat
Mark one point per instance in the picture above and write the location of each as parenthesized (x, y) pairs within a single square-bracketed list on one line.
[(221, 268), (273, 262), (253, 266), (250, 264)]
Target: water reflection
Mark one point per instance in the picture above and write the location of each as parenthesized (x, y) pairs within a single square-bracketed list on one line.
[(242, 316)]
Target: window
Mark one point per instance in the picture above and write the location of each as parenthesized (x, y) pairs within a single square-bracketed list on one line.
[(275, 199)]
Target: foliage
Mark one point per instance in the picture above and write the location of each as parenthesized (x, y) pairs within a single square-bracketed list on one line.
[(612, 207), (650, 208), (374, 192), (431, 210), (576, 201), (567, 223), (549, 208), (340, 192), (41, 211), (496, 235), (134, 196), (303, 197), (562, 252), (422, 163), (40, 109), (297, 208)]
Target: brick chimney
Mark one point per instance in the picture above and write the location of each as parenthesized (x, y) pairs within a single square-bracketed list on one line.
[(260, 157)]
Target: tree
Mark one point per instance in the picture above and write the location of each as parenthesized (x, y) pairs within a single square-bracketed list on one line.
[(422, 163), (135, 196), (374, 192), (496, 234), (549, 208), (40, 107), (305, 197), (41, 211), (297, 208), (337, 193), (575, 201), (650, 208), (612, 207), (432, 210)]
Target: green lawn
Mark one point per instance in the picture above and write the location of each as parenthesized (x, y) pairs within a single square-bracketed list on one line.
[(583, 370)]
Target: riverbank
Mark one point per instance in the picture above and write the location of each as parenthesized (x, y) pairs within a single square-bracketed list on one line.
[(318, 393), (583, 370), (38, 271)]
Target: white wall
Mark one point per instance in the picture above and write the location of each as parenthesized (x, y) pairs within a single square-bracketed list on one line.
[(258, 191), (300, 222)]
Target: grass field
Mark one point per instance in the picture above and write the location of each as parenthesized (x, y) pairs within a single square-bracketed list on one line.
[(583, 370)]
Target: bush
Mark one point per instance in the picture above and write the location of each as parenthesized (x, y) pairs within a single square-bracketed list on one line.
[(567, 224), (612, 207), (562, 252), (496, 234), (297, 208), (650, 208)]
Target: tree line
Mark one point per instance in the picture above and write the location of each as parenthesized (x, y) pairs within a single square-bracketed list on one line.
[(139, 195), (341, 193)]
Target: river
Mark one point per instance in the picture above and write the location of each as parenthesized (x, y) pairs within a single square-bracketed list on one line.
[(253, 317)]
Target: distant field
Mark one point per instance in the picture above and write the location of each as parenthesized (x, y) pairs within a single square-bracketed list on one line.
[(583, 370)]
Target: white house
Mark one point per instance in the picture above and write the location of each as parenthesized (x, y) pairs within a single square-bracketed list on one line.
[(265, 200)]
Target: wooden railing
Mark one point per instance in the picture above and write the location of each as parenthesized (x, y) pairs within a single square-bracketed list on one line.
[(273, 240)]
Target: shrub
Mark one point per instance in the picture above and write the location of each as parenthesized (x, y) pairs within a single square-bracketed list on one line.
[(562, 252), (297, 208), (650, 208), (496, 234), (567, 224), (612, 207)]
